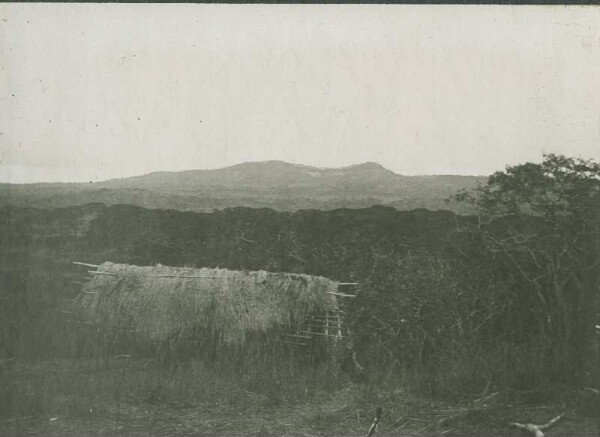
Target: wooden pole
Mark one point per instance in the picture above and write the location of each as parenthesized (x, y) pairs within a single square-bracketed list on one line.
[(340, 294)]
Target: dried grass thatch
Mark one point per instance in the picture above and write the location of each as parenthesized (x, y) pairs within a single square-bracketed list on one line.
[(157, 303)]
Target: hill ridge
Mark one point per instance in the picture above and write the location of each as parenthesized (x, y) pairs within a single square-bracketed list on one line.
[(273, 184)]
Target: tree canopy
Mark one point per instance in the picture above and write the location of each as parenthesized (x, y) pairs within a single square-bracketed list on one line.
[(541, 221)]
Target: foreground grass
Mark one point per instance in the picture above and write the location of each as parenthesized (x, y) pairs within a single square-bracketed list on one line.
[(139, 398)]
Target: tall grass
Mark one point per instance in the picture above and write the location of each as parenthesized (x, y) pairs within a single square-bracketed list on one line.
[(79, 387)]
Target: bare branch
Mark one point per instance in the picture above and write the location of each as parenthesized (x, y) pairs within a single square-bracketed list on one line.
[(537, 430)]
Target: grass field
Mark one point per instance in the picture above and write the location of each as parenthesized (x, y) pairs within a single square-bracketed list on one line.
[(141, 398)]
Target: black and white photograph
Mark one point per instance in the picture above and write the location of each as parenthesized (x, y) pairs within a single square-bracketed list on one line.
[(299, 220)]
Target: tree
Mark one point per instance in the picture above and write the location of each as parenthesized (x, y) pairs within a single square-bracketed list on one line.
[(542, 221)]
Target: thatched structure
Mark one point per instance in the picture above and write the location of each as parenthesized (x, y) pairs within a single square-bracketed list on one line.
[(163, 304)]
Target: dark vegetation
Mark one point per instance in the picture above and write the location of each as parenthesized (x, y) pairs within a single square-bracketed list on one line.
[(273, 184), (485, 313)]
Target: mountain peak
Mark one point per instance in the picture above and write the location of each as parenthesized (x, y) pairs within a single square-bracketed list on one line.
[(369, 166)]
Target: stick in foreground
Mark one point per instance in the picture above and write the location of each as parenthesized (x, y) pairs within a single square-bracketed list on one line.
[(373, 427), (537, 430)]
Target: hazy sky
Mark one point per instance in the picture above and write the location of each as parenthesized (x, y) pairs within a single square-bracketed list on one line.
[(95, 91)]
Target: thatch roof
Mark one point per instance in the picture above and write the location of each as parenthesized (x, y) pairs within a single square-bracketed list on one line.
[(159, 302)]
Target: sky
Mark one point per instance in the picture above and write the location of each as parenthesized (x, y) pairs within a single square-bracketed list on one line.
[(96, 91)]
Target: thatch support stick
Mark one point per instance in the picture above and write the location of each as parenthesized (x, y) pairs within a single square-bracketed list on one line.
[(294, 343), (79, 283), (320, 333), (348, 283), (88, 292), (340, 294), (93, 272), (318, 323), (85, 264), (179, 276), (297, 335)]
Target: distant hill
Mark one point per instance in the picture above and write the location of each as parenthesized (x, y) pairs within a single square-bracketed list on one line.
[(273, 184)]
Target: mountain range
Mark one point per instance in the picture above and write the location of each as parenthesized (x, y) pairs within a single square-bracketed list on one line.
[(268, 184)]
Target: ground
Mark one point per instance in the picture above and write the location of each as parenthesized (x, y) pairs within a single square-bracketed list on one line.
[(70, 398)]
